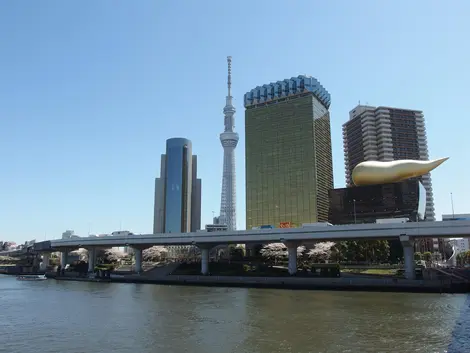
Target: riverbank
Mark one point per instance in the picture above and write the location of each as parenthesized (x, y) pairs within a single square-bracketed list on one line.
[(340, 284)]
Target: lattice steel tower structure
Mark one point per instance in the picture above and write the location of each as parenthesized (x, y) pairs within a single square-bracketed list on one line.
[(229, 140)]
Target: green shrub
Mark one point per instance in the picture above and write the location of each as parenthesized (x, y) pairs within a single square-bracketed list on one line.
[(105, 267)]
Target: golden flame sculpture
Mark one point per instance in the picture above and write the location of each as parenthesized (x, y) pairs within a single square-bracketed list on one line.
[(376, 172)]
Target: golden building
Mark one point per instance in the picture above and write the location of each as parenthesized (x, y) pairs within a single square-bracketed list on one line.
[(288, 153)]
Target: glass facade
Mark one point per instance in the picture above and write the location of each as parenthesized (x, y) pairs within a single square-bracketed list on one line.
[(288, 157), (178, 186), (366, 204)]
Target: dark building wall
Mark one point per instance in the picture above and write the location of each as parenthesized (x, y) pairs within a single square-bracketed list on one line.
[(365, 204), (195, 197), (404, 134), (196, 205), (283, 180)]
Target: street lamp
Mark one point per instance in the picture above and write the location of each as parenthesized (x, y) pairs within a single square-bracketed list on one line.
[(354, 210), (452, 204)]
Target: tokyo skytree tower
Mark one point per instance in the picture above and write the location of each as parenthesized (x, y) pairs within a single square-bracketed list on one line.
[(229, 140)]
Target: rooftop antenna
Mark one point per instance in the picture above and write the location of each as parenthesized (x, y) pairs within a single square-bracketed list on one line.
[(229, 80)]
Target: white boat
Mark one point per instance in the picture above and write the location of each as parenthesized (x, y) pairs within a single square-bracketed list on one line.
[(31, 278)]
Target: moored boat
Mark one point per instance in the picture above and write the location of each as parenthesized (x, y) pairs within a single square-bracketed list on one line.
[(31, 278)]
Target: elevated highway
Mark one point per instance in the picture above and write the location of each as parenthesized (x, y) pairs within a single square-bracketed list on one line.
[(292, 237), (444, 229)]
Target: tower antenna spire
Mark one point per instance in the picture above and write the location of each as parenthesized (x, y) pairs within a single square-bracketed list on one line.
[(229, 79)]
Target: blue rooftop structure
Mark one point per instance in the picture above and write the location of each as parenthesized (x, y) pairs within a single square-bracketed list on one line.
[(288, 87)]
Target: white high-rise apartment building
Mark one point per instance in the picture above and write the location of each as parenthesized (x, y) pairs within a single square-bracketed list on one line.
[(386, 134)]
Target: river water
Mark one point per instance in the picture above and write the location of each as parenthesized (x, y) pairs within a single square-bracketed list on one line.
[(80, 317)]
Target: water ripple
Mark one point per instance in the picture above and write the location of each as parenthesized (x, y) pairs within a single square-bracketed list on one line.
[(79, 317), (461, 334)]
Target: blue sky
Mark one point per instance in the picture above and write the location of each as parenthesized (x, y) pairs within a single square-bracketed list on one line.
[(90, 91)]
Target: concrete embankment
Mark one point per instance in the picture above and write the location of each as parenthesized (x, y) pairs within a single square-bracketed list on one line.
[(345, 284)]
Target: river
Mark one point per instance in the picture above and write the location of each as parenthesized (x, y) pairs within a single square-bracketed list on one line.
[(81, 317)]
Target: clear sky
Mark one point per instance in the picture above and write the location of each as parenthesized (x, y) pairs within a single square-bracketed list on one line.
[(90, 91)]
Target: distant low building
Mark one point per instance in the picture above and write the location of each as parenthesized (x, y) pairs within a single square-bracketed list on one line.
[(121, 233), (69, 234), (7, 245), (216, 227), (461, 244), (456, 217)]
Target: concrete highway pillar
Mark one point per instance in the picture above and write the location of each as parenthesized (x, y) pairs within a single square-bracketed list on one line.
[(292, 256), (91, 260), (64, 257), (249, 250), (138, 260), (45, 261), (205, 261), (409, 256)]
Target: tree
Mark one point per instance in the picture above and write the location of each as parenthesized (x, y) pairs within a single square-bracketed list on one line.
[(111, 256), (427, 256), (460, 259), (321, 252), (154, 254), (466, 257), (418, 256), (5, 245), (301, 253), (82, 254), (362, 251), (380, 251), (8, 260), (436, 256), (236, 252), (275, 252)]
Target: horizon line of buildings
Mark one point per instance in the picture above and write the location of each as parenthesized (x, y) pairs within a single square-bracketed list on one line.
[(288, 157)]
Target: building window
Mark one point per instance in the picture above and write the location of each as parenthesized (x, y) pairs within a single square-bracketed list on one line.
[(286, 88)]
